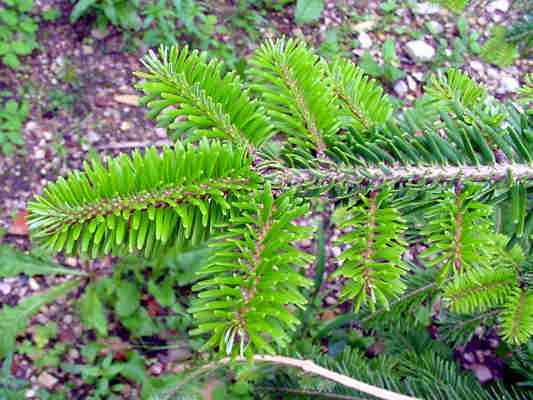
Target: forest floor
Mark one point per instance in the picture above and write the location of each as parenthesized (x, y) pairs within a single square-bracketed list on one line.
[(80, 86)]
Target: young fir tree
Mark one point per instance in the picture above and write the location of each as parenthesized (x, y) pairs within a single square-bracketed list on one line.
[(451, 175)]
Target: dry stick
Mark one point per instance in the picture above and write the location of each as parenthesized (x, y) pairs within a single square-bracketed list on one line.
[(133, 145), (306, 366)]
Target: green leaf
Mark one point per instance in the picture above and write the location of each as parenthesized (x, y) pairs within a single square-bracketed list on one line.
[(14, 320), (140, 324), (24, 5), (13, 263), (80, 9), (9, 17), (11, 60), (308, 11), (22, 48), (92, 311), (128, 299), (163, 292)]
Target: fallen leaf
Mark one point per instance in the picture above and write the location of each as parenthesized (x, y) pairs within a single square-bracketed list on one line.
[(19, 226), (129, 99)]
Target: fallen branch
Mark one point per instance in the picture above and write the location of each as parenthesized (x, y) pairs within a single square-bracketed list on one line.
[(307, 366)]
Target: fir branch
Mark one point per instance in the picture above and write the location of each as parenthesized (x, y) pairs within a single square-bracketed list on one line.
[(480, 289), (371, 176), (372, 264), (292, 84), (517, 316), (457, 229), (142, 202), (361, 98), (251, 283), (189, 94)]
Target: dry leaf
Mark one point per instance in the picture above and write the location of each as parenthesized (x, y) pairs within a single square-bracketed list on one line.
[(19, 226), (129, 99)]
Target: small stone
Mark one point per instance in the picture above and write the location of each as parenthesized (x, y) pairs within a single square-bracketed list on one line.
[(161, 133), (93, 137), (426, 8), (509, 84), (179, 354), (364, 26), (420, 51), (98, 34), (33, 284), (128, 99), (5, 289), (71, 261), (335, 251), (411, 83), (39, 154), (419, 76), (498, 5), (47, 380), (32, 126), (73, 354), (493, 73), (482, 372), (435, 27), (365, 40), (156, 369), (497, 18), (87, 50), (126, 126), (476, 66), (401, 88)]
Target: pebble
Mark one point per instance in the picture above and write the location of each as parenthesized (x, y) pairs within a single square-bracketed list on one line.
[(435, 27), (161, 133), (420, 51), (47, 380), (87, 50), (33, 284), (419, 76), (411, 83), (93, 137), (476, 66), (98, 34), (365, 40), (508, 84), (156, 369), (126, 126), (401, 88), (179, 354), (493, 73), (5, 289), (71, 261), (39, 154), (498, 5), (73, 354), (426, 8), (364, 26)]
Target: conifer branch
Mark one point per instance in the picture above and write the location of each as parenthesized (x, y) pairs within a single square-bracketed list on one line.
[(372, 176), (306, 366)]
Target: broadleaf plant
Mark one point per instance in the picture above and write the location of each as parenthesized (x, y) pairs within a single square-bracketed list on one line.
[(251, 161)]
